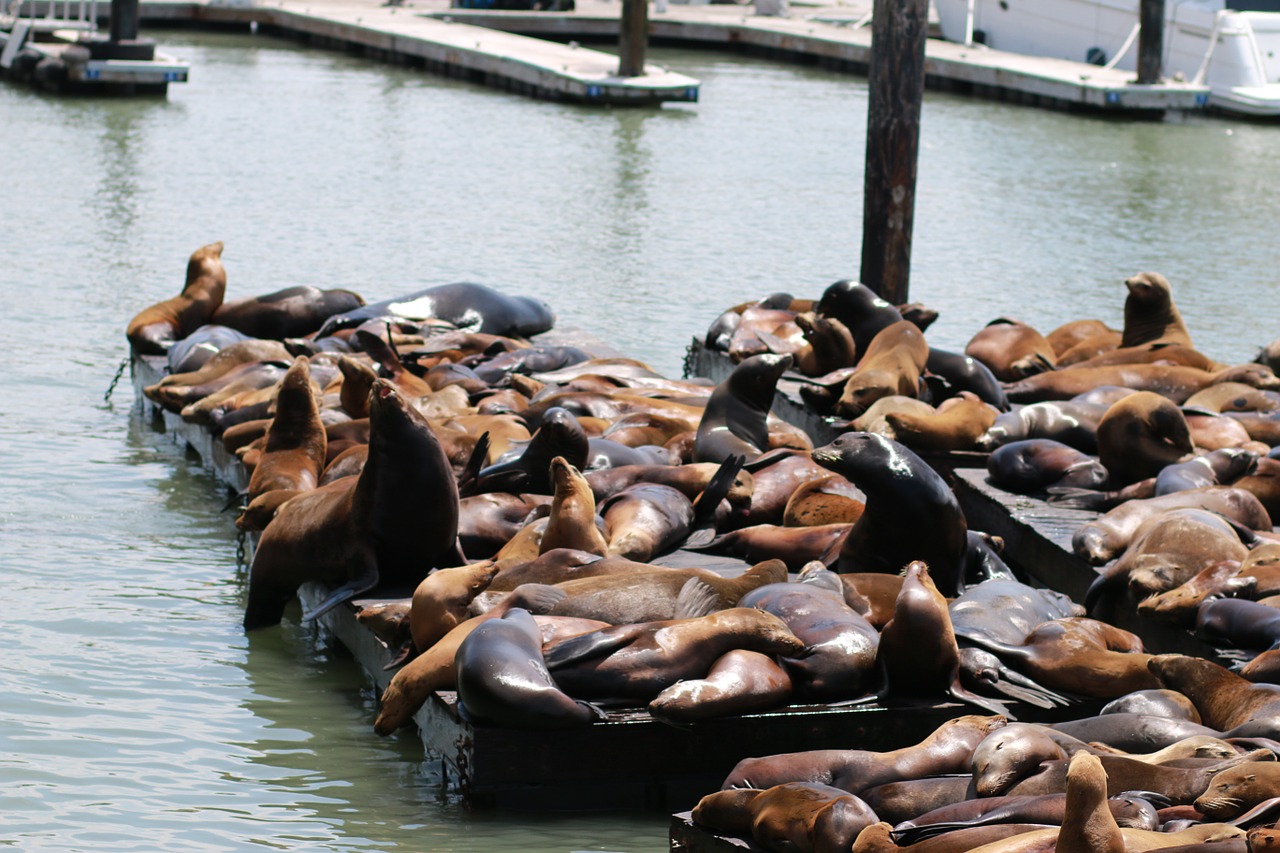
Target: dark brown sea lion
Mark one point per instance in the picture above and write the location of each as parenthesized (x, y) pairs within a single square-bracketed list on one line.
[(904, 497), (1073, 422), (558, 434), (487, 522), (858, 307), (227, 358), (826, 500), (840, 645), (1032, 465), (289, 313), (1168, 550), (917, 657), (1140, 435), (1080, 656), (949, 373), (637, 662), (795, 546), (1129, 811), (651, 596), (1133, 732), (734, 422), (1149, 313), (800, 816), (1264, 484), (739, 682), (891, 364), (1224, 699), (153, 329), (572, 522), (1238, 624), (396, 521), (1157, 702), (502, 680), (294, 451), (348, 463), (1012, 349), (946, 750), (645, 520), (1101, 540)]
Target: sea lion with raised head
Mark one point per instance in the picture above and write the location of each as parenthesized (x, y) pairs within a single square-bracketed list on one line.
[(154, 329), (1225, 700), (858, 307), (1150, 317), (528, 468), (891, 364), (735, 420), (572, 521), (904, 497)]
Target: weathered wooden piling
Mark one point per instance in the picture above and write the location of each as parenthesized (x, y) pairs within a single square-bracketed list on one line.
[(633, 37), (1150, 42), (896, 83), (125, 15)]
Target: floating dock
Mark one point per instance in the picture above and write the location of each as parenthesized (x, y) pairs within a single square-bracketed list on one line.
[(523, 51)]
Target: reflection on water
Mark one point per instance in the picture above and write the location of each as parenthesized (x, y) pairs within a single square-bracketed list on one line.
[(134, 712)]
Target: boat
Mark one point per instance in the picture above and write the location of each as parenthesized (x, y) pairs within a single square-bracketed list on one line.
[(1231, 46), (63, 50)]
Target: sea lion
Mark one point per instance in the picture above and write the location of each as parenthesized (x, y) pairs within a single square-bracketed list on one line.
[(154, 329), (1158, 702), (357, 383), (1129, 811), (956, 373), (502, 680), (196, 349), (1032, 465), (956, 425), (1099, 541), (387, 527), (826, 500), (831, 345), (1140, 435), (1232, 397), (1071, 422), (1167, 550), (1074, 332), (1078, 655), (468, 306), (840, 645), (294, 452), (1264, 484), (801, 816), (1238, 624), (441, 600), (1011, 349), (1225, 700), (645, 520), (572, 521), (1237, 789), (739, 682), (1087, 823), (947, 749), (891, 364), (528, 470), (289, 313), (227, 358), (904, 497), (1150, 316), (734, 422), (917, 657), (858, 307), (795, 546), (1172, 381), (650, 596), (637, 662)]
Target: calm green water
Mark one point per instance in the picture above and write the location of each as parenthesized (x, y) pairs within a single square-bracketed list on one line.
[(134, 713)]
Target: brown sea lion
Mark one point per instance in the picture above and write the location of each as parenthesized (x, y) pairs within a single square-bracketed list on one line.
[(800, 816), (826, 500), (1078, 655), (155, 328), (947, 749), (1237, 789), (637, 662), (875, 418), (1180, 604), (795, 546), (1168, 550), (1101, 540), (1034, 464), (502, 680), (651, 596), (1149, 313), (1172, 381), (572, 522), (440, 601), (956, 425), (1225, 700), (1129, 811), (1087, 823), (877, 591), (645, 520), (348, 463), (294, 452), (1264, 484), (1069, 334), (1158, 701), (357, 383), (830, 343), (917, 657), (858, 307), (1011, 349), (226, 359), (1232, 397), (361, 532), (1140, 435), (891, 364), (739, 682), (261, 379), (904, 497)]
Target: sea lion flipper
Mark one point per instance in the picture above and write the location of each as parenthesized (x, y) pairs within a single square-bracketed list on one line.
[(1069, 497), (402, 655), (538, 598), (701, 540), (587, 646), (346, 592), (696, 598), (995, 706), (475, 462), (717, 489)]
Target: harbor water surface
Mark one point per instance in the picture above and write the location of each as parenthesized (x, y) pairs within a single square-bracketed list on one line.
[(134, 712)]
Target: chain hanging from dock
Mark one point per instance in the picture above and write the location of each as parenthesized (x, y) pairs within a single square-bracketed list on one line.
[(240, 551), (124, 362), (688, 361)]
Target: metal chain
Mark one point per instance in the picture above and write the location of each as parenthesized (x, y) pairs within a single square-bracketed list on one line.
[(688, 360), (240, 550), (124, 362)]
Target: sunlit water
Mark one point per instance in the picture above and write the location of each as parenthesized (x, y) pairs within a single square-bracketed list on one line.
[(134, 713)]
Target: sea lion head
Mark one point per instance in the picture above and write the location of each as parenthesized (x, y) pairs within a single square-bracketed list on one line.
[(1236, 790), (755, 379), (206, 261), (442, 600)]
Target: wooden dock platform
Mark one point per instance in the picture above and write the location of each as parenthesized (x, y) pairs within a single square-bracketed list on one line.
[(521, 51)]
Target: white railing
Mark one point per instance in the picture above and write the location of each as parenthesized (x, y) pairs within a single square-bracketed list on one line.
[(79, 14)]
